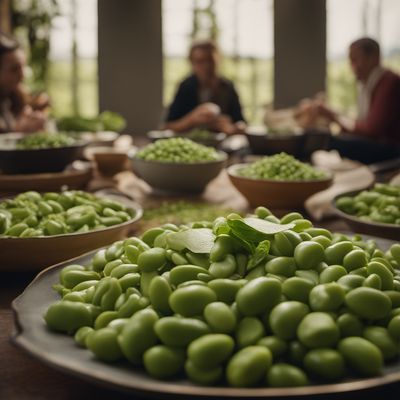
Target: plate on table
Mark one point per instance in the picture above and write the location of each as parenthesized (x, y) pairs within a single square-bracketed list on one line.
[(75, 176), (60, 352), (36, 253), (389, 231)]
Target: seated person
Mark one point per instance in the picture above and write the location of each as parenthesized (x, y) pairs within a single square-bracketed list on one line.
[(18, 112), (205, 99), (377, 127)]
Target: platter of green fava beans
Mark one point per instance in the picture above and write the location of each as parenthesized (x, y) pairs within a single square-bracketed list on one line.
[(236, 307), (374, 211), (41, 229)]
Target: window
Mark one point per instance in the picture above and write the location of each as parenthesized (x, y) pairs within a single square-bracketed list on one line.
[(73, 89), (375, 18), (243, 30)]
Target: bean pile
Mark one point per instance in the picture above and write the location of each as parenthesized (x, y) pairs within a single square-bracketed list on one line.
[(178, 150), (246, 301), (200, 134), (281, 167), (31, 214), (380, 204), (44, 140)]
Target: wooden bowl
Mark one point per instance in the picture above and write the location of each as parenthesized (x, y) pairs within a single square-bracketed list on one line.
[(388, 231), (179, 177), (273, 193), (109, 160), (36, 253), (75, 176)]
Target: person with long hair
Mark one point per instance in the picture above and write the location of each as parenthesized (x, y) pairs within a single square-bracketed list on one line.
[(18, 111), (205, 99)]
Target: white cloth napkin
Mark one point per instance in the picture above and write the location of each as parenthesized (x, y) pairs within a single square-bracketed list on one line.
[(319, 205)]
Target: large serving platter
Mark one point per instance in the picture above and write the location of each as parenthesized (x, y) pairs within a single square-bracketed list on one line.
[(60, 352)]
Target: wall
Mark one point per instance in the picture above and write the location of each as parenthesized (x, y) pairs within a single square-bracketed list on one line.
[(130, 61), (300, 50)]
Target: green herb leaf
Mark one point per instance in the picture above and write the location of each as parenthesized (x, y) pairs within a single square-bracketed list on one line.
[(267, 227), (256, 229), (260, 254), (196, 240)]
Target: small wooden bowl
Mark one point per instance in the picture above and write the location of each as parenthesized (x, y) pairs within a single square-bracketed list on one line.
[(109, 160), (388, 231), (273, 193)]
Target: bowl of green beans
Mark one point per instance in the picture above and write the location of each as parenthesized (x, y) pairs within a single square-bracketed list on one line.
[(279, 181), (375, 211), (178, 165), (41, 229), (38, 152), (237, 307)]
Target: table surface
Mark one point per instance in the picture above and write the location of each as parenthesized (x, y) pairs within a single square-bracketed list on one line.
[(23, 377)]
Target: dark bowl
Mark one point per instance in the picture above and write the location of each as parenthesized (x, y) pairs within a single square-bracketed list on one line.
[(388, 231), (265, 143), (15, 161), (178, 177), (214, 140)]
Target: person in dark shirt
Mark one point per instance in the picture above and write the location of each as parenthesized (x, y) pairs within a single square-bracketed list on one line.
[(205, 99), (375, 134)]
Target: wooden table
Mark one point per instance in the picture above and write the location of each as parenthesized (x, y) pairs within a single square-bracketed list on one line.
[(23, 377)]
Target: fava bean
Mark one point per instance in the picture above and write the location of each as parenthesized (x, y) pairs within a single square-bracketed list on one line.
[(286, 317), (368, 303), (249, 331), (191, 300), (258, 295), (318, 329), (296, 288), (104, 344), (381, 338), (326, 297), (210, 351), (203, 376), (138, 335), (174, 331), (308, 255), (68, 316), (164, 362), (220, 317), (286, 375), (362, 355), (248, 366), (327, 364)]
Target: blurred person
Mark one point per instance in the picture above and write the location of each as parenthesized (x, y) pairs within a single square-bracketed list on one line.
[(375, 134), (205, 99), (19, 112)]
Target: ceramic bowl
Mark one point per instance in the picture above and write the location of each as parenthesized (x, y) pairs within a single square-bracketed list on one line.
[(178, 177), (273, 193)]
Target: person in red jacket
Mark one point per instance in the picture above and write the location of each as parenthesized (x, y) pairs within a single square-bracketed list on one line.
[(375, 134)]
